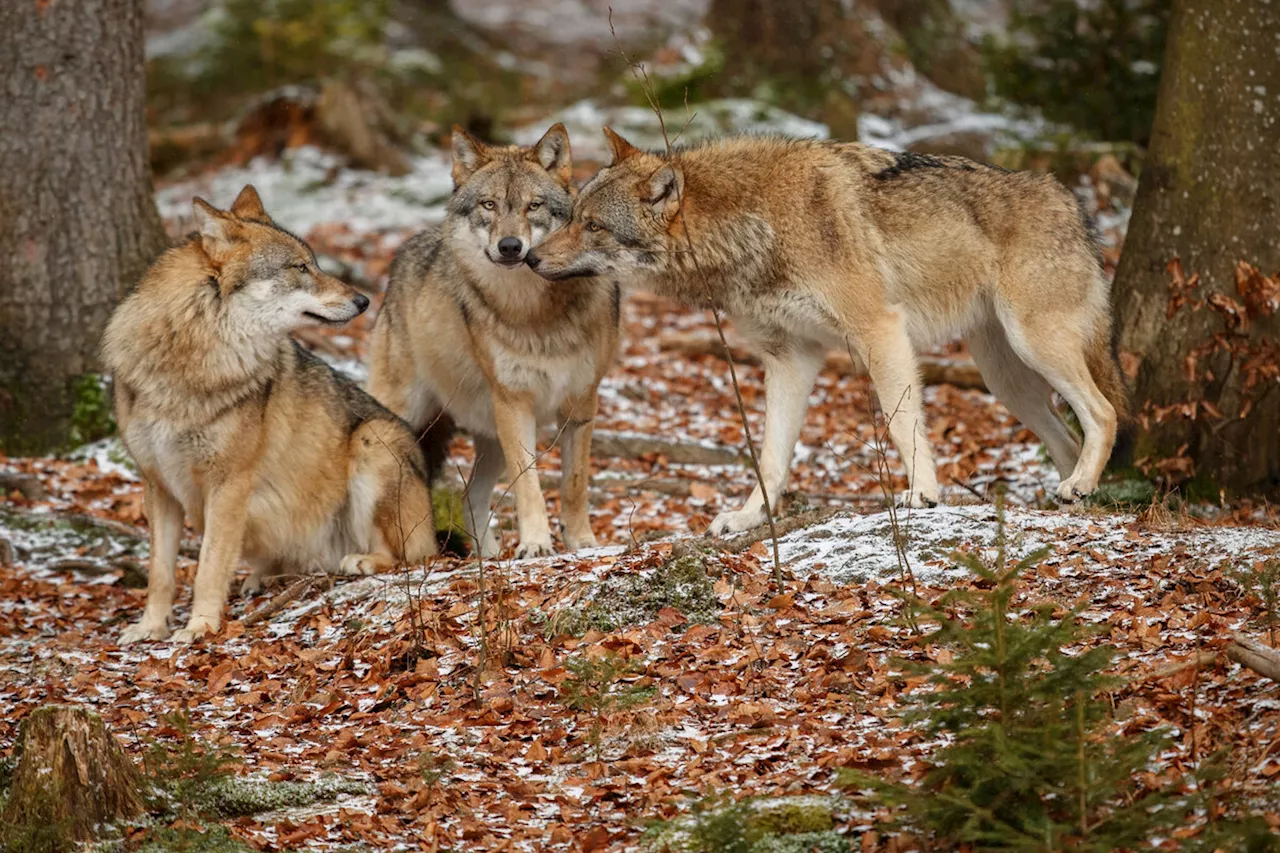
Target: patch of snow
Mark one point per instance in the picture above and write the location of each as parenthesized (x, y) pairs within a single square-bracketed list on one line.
[(308, 187)]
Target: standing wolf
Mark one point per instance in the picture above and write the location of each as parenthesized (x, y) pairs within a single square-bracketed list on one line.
[(269, 452), (809, 244), (469, 335)]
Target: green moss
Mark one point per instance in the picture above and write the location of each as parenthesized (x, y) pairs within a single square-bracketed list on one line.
[(233, 796), (804, 842), (447, 509), (213, 839), (91, 415), (767, 825), (619, 601), (1123, 489)]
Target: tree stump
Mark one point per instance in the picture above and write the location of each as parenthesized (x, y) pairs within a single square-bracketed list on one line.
[(72, 775)]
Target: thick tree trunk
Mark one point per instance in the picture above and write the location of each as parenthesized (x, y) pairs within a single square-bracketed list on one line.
[(1210, 196), (72, 776), (78, 224)]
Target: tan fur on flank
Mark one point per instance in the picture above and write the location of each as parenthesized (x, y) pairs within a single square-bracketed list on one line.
[(808, 245), (473, 338), (265, 449)]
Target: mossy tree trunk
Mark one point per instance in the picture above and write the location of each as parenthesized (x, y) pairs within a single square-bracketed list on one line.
[(78, 224), (1210, 196), (72, 775)]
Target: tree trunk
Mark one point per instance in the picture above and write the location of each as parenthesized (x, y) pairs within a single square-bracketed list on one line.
[(72, 776), (78, 224), (1209, 196)]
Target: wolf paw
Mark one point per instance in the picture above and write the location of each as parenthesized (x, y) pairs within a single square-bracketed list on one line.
[(358, 565), (252, 586), (196, 628), (575, 543), (535, 548), (918, 500), (143, 630), (736, 521), (1073, 488)]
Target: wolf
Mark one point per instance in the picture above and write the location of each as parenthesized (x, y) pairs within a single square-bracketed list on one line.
[(469, 336), (272, 455), (811, 244)]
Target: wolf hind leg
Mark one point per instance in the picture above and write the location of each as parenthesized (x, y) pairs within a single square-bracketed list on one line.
[(788, 378), (1055, 347), (390, 501), (1025, 393)]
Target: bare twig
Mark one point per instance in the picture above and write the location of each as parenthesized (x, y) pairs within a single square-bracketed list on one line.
[(290, 594)]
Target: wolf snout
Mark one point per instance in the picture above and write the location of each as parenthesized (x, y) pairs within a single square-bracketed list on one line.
[(361, 302), (510, 248), (532, 260)]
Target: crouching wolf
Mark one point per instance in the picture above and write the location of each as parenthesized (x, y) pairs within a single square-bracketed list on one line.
[(269, 452), (809, 244), (469, 335)]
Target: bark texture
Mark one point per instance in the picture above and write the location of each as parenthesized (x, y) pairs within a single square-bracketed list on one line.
[(78, 224), (72, 776), (1210, 196)]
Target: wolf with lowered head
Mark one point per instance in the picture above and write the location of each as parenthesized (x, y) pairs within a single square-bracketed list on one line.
[(272, 455), (811, 244), (469, 336)]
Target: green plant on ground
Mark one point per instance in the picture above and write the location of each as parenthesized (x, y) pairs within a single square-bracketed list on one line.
[(599, 687), (92, 417), (1094, 66), (718, 824), (621, 600), (1031, 760)]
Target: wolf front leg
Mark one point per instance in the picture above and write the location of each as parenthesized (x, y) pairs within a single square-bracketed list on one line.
[(789, 375), (518, 433), (575, 465), (164, 514), (226, 517), (477, 513)]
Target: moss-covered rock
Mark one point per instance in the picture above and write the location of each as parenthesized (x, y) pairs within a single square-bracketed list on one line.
[(235, 796), (768, 825), (620, 601)]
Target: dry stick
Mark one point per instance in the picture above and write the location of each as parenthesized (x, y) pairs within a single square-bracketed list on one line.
[(647, 87), (1260, 658), (1199, 660), (290, 594), (738, 544)]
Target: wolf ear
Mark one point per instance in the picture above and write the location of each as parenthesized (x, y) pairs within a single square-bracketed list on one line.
[(621, 148), (248, 205), (217, 230), (469, 154), (552, 153), (666, 192)]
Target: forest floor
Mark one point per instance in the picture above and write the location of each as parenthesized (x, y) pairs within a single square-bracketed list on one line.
[(441, 690)]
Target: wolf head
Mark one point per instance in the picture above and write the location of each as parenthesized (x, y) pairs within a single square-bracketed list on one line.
[(622, 219), (266, 277), (509, 198)]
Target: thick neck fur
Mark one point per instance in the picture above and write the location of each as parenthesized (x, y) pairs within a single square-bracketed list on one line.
[(515, 297), (178, 341)]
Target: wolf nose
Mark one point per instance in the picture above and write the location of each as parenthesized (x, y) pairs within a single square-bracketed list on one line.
[(532, 260), (362, 302), (509, 247)]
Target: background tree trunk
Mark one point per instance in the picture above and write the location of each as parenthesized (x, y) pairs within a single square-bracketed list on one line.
[(1209, 195), (78, 224), (72, 775)]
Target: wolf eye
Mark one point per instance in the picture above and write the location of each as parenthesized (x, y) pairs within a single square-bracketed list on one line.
[(300, 267), (594, 226), (488, 205), (534, 205)]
